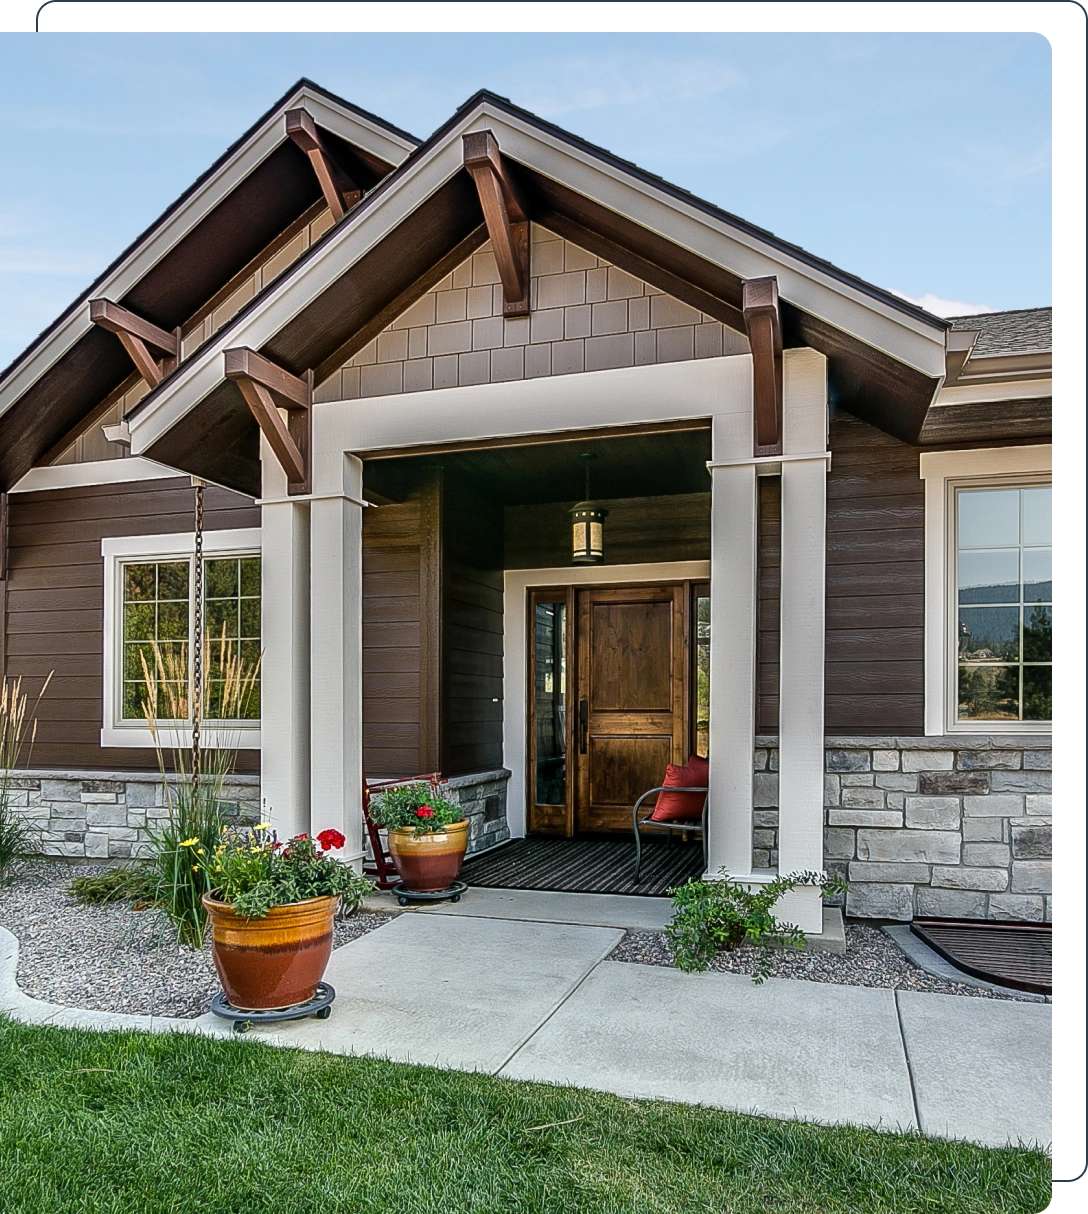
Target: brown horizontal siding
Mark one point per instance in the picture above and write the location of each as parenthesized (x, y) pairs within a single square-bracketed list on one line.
[(875, 583), (391, 640), (875, 587), (53, 612)]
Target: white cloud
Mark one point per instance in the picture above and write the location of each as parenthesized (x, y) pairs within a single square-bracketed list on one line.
[(945, 307)]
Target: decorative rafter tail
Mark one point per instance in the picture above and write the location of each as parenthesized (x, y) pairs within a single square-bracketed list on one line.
[(266, 388), (763, 322), (340, 191), (136, 335), (506, 216)]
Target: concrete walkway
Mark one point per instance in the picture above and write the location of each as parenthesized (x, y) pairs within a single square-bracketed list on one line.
[(527, 999)]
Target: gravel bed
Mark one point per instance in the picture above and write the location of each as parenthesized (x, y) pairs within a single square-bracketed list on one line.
[(112, 958), (871, 959)]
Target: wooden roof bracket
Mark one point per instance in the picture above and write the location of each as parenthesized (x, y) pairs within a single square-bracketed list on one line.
[(759, 303), (505, 215), (136, 334), (341, 192), (266, 389)]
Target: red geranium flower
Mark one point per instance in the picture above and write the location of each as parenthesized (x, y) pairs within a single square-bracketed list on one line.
[(424, 811), (330, 839)]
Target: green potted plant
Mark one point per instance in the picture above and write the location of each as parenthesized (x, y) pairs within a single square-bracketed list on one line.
[(427, 834), (719, 915), (271, 908)]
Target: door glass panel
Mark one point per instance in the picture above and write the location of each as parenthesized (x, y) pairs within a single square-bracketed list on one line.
[(702, 675), (550, 691)]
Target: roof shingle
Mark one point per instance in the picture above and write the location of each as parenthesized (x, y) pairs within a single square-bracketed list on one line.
[(1024, 331)]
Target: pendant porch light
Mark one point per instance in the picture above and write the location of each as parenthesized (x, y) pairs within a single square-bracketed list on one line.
[(587, 525)]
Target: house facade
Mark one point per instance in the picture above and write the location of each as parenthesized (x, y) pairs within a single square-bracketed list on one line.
[(398, 367)]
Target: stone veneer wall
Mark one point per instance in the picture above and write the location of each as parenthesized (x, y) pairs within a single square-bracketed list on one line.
[(482, 796), (949, 827), (95, 815)]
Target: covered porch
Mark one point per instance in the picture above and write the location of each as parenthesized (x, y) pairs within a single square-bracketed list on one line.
[(402, 600)]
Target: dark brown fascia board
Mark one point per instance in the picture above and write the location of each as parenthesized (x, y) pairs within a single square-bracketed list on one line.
[(988, 422), (179, 202)]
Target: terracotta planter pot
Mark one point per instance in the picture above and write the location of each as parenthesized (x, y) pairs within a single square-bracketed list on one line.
[(272, 962), (428, 863)]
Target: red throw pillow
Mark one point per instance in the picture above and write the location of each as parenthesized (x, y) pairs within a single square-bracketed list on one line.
[(682, 806)]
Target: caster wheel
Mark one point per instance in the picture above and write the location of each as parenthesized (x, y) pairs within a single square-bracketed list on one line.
[(456, 898), (323, 1014), (402, 901), (241, 1026)]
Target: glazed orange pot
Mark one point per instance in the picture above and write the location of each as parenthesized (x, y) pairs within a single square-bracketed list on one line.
[(429, 863), (272, 962)]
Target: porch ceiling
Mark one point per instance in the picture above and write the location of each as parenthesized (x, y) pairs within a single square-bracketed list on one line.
[(636, 465)]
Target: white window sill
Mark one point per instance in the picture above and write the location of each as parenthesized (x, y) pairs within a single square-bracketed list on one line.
[(136, 735)]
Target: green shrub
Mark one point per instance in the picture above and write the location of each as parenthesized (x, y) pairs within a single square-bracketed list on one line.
[(126, 883), (712, 916)]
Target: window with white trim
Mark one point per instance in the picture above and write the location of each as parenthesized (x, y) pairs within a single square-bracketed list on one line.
[(988, 600), (148, 623), (1003, 603)]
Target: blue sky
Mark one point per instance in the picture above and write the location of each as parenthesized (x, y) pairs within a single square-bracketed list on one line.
[(919, 161)]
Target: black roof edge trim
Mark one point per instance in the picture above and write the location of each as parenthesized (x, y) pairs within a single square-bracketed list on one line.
[(302, 82)]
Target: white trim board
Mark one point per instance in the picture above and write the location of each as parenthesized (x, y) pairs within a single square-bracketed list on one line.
[(941, 471), (123, 470), (515, 682), (180, 545)]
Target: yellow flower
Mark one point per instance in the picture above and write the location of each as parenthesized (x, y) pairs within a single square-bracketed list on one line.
[(189, 842), (262, 826), (196, 868)]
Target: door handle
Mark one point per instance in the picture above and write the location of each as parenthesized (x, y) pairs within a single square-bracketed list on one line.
[(583, 725)]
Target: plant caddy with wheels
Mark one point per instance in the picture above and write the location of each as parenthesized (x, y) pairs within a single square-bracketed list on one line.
[(428, 836), (271, 912)]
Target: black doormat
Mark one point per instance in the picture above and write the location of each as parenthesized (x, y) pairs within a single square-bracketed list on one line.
[(585, 866), (1010, 954)]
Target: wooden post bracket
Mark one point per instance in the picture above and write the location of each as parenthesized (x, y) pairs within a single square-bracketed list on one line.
[(266, 389), (136, 334), (759, 302), (505, 215), (341, 192)]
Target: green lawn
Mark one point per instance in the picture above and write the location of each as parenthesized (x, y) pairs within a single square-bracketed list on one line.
[(128, 1122)]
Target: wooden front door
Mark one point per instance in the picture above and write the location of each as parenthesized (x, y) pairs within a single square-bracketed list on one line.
[(631, 692)]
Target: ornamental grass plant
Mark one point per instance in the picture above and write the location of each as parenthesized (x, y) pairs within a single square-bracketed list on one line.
[(252, 871), (17, 733), (193, 776), (418, 806), (712, 916)]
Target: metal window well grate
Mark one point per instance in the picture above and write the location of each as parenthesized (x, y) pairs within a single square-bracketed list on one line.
[(1011, 954)]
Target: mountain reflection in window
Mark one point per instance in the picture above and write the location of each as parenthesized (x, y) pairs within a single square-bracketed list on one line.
[(1003, 592)]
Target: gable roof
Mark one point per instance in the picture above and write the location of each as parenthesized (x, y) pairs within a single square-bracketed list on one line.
[(886, 357), (260, 184)]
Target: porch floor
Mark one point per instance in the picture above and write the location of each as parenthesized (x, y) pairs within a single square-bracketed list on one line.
[(585, 866)]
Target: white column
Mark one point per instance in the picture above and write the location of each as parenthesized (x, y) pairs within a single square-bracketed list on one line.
[(801, 686), (733, 547), (336, 621), (285, 661)]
